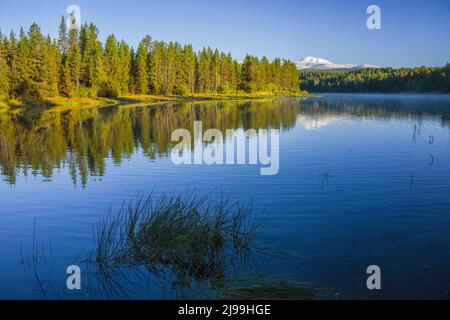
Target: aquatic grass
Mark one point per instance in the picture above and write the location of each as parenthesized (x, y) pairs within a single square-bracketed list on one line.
[(183, 238), (199, 246), (186, 246)]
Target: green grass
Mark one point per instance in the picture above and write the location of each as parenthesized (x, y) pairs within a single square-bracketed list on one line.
[(187, 237)]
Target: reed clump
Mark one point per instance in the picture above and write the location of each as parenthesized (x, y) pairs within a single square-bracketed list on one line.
[(184, 236), (201, 247)]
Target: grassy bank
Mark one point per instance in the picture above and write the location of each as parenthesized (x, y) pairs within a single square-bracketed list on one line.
[(76, 103)]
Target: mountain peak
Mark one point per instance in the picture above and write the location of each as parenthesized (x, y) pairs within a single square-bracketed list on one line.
[(314, 60), (313, 63)]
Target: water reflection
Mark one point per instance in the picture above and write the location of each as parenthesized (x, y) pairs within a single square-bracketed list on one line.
[(38, 142), (337, 107), (369, 185)]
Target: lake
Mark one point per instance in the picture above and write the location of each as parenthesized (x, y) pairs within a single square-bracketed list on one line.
[(363, 180)]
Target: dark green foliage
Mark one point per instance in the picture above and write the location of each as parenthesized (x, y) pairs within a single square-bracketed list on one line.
[(77, 65), (108, 92), (422, 79), (181, 90), (4, 70)]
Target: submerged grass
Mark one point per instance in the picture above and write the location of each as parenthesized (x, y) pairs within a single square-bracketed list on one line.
[(184, 246), (186, 239)]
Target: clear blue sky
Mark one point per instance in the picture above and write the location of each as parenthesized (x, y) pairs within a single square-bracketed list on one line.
[(414, 32)]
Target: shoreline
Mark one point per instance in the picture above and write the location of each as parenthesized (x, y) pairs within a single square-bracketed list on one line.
[(135, 100)]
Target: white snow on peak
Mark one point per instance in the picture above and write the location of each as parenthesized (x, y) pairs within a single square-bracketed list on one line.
[(313, 60), (313, 63)]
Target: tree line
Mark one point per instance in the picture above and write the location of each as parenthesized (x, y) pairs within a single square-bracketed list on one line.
[(420, 79), (77, 64)]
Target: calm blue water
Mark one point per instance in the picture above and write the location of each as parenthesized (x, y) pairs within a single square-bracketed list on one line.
[(363, 180)]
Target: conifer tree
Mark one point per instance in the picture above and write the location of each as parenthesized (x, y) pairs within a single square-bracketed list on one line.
[(73, 62), (157, 68), (125, 67), (66, 87), (140, 67), (4, 69), (204, 70), (112, 64), (93, 67), (50, 69), (12, 64), (189, 64), (63, 40)]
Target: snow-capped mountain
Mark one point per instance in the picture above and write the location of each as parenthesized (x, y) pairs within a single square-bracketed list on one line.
[(312, 63)]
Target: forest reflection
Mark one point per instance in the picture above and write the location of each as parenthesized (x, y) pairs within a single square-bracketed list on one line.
[(39, 141)]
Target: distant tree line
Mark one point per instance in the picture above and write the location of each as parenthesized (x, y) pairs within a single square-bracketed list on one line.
[(421, 79), (77, 64)]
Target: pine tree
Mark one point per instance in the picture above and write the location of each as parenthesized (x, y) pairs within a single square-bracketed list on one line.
[(215, 71), (36, 61), (93, 75), (63, 40), (125, 60), (250, 74), (140, 67), (188, 67), (4, 69), (66, 88), (237, 71), (112, 64), (226, 73), (51, 65), (13, 52), (204, 70), (276, 73), (170, 67), (290, 76), (73, 62), (157, 68)]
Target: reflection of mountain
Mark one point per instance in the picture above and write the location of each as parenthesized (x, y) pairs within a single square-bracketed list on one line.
[(318, 121), (37, 142), (369, 106)]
